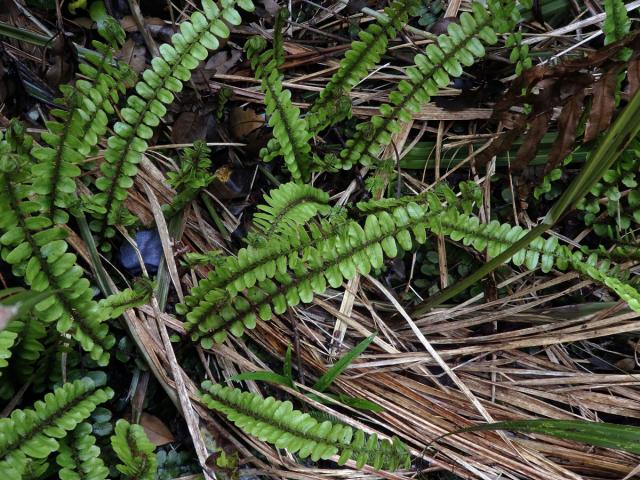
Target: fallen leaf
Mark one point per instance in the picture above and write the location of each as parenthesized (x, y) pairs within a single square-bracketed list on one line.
[(220, 63), (633, 76), (156, 430), (63, 61), (537, 128), (191, 126), (603, 104), (271, 7), (243, 121), (133, 55), (567, 125)]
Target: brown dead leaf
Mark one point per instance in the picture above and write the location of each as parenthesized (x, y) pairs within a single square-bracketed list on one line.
[(633, 76), (538, 127), (156, 430), (603, 104), (220, 63), (243, 121), (191, 126), (128, 23), (271, 7), (503, 141), (567, 124), (62, 62), (133, 55)]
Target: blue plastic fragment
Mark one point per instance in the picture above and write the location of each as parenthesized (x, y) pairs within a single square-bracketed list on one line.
[(150, 247)]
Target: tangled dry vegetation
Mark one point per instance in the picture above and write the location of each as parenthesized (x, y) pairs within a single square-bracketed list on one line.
[(461, 191)]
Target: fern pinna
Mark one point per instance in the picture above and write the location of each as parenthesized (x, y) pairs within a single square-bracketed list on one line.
[(434, 69), (37, 251), (147, 107), (35, 433), (277, 423)]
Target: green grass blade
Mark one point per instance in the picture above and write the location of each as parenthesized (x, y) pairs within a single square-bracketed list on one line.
[(608, 435), (327, 379)]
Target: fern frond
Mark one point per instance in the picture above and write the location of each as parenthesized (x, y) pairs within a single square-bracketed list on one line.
[(191, 178), (114, 305), (289, 206), (277, 423), (145, 109), (77, 127), (616, 23), (289, 280), (433, 69), (496, 238), (331, 106), (257, 263), (134, 450), (290, 132), (37, 251), (263, 59), (34, 432), (78, 456)]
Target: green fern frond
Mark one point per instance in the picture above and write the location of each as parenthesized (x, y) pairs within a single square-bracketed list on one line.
[(194, 162), (134, 450), (79, 458), (37, 251), (255, 263), (289, 280), (441, 61), (616, 23), (77, 127), (263, 59), (192, 177), (495, 238), (332, 106), (34, 433), (289, 206), (258, 263), (289, 129), (277, 423), (145, 109), (290, 132), (114, 305)]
